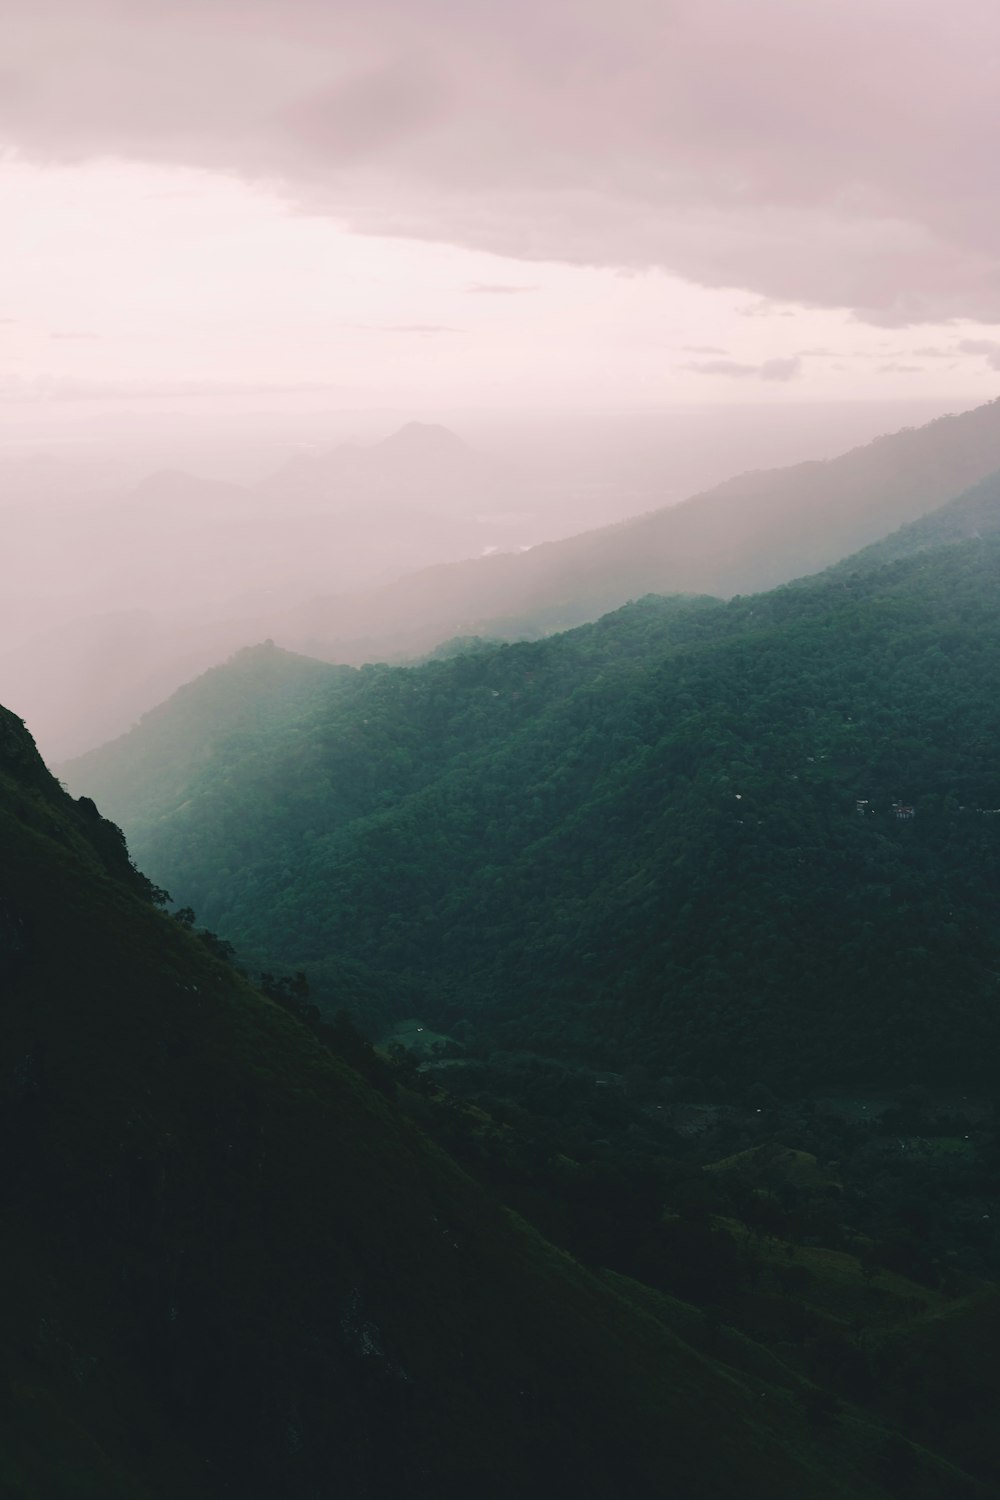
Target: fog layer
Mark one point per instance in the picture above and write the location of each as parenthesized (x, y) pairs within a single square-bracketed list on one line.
[(128, 581)]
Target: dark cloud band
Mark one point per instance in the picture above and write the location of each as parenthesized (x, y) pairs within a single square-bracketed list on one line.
[(837, 155)]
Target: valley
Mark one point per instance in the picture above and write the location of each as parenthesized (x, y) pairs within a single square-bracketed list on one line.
[(675, 931), (499, 778)]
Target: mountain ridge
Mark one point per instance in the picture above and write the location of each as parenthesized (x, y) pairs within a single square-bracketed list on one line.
[(715, 544), (519, 764), (710, 543)]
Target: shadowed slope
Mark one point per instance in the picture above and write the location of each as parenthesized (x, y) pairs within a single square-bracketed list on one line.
[(233, 1269)]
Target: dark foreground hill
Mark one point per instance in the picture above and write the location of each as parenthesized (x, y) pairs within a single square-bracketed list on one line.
[(232, 1268), (744, 841)]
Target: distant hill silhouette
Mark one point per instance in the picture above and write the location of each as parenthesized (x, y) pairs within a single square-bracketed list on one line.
[(424, 460), (177, 562), (750, 533)]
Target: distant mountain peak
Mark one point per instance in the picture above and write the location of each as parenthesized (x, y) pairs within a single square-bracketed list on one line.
[(173, 486), (424, 437), (161, 481), (414, 453)]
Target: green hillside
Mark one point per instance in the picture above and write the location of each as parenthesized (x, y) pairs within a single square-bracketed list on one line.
[(213, 723), (670, 838)]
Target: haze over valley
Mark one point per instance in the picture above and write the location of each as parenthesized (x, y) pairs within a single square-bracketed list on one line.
[(499, 707), (142, 586)]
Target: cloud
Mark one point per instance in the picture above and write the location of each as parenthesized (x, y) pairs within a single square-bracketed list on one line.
[(498, 289), (703, 349), (989, 347), (900, 369), (815, 352), (781, 369), (826, 155), (43, 389), (765, 309), (770, 369), (402, 327)]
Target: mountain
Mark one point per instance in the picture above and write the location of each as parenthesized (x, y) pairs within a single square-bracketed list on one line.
[(234, 1267), (320, 559), (218, 719), (136, 592), (750, 533), (423, 460), (672, 838), (972, 515)]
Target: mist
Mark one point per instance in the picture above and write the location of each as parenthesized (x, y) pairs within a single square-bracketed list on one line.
[(499, 795), (150, 545), (603, 263)]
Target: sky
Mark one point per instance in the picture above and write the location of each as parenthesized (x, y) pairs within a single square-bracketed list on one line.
[(569, 205)]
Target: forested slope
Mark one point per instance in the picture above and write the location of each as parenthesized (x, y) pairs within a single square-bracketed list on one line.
[(669, 838)]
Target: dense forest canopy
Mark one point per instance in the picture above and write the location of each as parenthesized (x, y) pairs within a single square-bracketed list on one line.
[(743, 840)]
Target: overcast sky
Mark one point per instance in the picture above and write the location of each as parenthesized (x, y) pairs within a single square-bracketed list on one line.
[(574, 201)]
